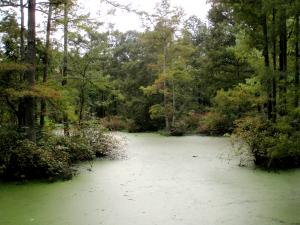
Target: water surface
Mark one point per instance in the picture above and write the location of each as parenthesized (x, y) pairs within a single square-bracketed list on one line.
[(165, 181)]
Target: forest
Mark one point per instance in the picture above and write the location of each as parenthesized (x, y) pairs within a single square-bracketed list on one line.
[(63, 88)]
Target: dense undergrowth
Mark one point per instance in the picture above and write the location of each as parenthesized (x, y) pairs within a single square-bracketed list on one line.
[(52, 157), (273, 145), (270, 144)]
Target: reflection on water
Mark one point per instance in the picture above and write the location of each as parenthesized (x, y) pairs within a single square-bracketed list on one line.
[(165, 181)]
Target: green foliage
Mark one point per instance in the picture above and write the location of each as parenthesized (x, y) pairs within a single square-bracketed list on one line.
[(117, 123), (252, 130), (272, 145), (100, 142), (76, 148), (33, 161), (179, 128), (53, 157), (231, 105), (157, 111), (183, 77), (27, 160), (191, 120), (214, 123), (242, 99), (113, 123), (8, 140)]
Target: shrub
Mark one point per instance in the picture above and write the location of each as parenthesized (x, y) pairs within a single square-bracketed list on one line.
[(117, 123), (232, 104), (179, 129), (191, 121), (131, 126), (242, 99), (77, 148), (101, 142), (113, 123), (214, 123), (30, 161), (8, 141), (273, 145), (52, 156)]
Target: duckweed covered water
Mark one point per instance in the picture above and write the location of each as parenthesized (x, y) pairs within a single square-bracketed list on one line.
[(165, 181)]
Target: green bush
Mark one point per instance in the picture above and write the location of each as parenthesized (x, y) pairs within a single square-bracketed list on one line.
[(30, 161), (191, 121), (52, 156), (8, 141), (231, 105), (113, 123), (243, 99), (131, 126), (179, 129), (214, 123), (77, 148), (273, 145), (100, 141)]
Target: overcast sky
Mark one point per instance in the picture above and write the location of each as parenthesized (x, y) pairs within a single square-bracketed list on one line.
[(128, 21)]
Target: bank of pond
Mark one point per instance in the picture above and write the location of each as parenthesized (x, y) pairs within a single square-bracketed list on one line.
[(54, 156)]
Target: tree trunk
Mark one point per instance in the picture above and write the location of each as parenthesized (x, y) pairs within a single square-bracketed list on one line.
[(282, 62), (65, 59), (65, 63), (82, 98), (296, 101), (81, 105), (22, 31), (173, 103), (167, 124), (274, 55), (46, 62), (29, 101), (21, 106), (267, 64)]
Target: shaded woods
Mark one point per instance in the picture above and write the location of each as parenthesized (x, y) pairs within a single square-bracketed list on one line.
[(239, 74)]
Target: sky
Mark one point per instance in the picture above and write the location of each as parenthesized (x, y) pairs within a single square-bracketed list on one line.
[(125, 21), (122, 19)]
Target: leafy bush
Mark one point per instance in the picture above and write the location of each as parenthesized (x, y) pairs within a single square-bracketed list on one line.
[(231, 105), (131, 126), (214, 123), (30, 161), (272, 145), (101, 142), (242, 99), (8, 141), (76, 147), (52, 156), (191, 121), (113, 123), (118, 123), (179, 129)]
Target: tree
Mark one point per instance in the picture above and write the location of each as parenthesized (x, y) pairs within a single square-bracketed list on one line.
[(29, 101), (297, 55), (167, 22), (46, 61)]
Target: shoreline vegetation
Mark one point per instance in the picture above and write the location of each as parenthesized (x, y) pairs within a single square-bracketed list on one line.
[(54, 156), (265, 144)]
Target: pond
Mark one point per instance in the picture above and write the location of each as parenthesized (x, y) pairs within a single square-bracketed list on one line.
[(188, 180)]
